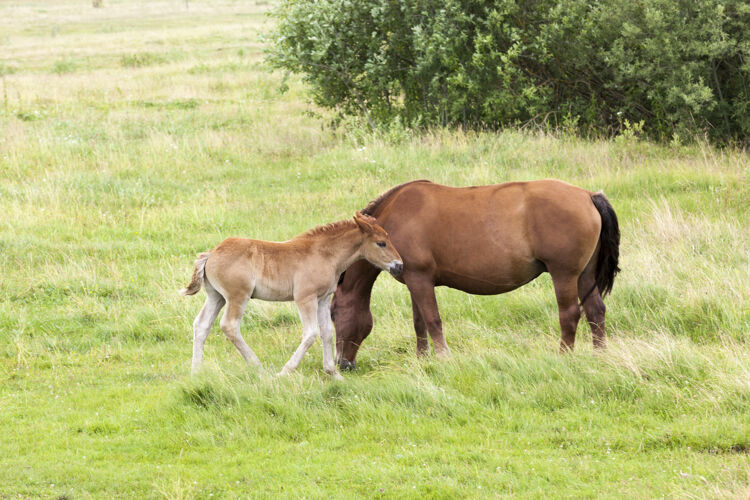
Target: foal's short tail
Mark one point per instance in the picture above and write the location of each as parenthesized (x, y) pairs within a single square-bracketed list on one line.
[(198, 275), (609, 244)]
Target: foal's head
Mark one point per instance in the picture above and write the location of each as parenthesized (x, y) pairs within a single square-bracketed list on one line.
[(377, 248)]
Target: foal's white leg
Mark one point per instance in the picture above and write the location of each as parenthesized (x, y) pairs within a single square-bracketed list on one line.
[(230, 325), (326, 335), (202, 325), (308, 313)]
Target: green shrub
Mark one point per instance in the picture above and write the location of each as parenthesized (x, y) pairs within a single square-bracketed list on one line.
[(680, 67)]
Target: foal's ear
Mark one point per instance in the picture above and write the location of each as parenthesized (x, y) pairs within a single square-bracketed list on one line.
[(363, 223)]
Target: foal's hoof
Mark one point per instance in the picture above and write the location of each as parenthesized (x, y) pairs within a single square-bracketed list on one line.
[(336, 376), (346, 365)]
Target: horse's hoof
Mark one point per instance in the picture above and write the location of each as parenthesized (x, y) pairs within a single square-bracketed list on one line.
[(443, 354), (337, 376)]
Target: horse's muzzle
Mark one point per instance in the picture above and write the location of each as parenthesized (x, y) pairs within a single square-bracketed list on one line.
[(347, 365), (396, 267)]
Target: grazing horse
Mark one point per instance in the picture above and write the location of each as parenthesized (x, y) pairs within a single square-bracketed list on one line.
[(486, 240), (303, 269)]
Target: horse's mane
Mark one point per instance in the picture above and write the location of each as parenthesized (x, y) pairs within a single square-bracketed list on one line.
[(368, 211), (374, 204)]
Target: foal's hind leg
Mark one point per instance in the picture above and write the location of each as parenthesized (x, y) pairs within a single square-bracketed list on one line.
[(230, 325), (593, 306), (202, 324), (566, 291)]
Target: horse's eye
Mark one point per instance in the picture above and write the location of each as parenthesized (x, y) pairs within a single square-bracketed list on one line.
[(381, 244)]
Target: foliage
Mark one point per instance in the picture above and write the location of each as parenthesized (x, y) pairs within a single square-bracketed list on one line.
[(682, 67)]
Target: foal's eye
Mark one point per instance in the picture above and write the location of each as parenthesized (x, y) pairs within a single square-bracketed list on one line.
[(381, 244)]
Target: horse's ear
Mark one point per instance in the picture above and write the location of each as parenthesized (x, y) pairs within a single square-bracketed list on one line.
[(363, 224)]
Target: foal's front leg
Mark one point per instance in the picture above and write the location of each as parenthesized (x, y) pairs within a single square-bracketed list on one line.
[(308, 313), (326, 335)]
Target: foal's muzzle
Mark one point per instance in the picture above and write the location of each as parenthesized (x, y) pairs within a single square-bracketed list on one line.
[(396, 267)]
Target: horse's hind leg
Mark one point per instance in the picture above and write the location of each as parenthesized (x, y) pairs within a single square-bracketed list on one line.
[(230, 325), (593, 306), (566, 291), (202, 324)]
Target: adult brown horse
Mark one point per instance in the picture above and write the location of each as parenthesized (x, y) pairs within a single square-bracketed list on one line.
[(486, 240)]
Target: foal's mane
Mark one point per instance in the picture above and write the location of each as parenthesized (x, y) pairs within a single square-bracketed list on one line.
[(374, 204), (330, 229)]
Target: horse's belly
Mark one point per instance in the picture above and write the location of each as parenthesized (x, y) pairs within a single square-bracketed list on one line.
[(485, 283), (494, 273)]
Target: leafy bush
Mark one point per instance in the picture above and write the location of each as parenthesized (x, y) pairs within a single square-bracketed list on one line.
[(680, 66)]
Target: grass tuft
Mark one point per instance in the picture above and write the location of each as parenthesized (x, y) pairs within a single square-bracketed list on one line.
[(64, 66), (141, 59)]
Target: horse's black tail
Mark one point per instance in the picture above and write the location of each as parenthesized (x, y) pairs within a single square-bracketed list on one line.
[(609, 244)]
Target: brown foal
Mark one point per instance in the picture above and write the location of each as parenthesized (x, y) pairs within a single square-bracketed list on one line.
[(304, 269)]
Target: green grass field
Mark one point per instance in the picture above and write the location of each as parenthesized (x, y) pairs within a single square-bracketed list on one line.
[(136, 135)]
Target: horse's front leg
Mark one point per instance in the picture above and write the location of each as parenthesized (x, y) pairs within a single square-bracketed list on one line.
[(422, 289), (423, 345), (308, 313), (326, 335)]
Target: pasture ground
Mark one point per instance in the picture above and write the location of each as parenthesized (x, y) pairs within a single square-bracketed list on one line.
[(136, 135)]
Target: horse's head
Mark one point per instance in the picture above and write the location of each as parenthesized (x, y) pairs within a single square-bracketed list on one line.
[(350, 312), (377, 248)]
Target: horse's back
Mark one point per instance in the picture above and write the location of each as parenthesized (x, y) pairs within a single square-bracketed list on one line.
[(490, 239)]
